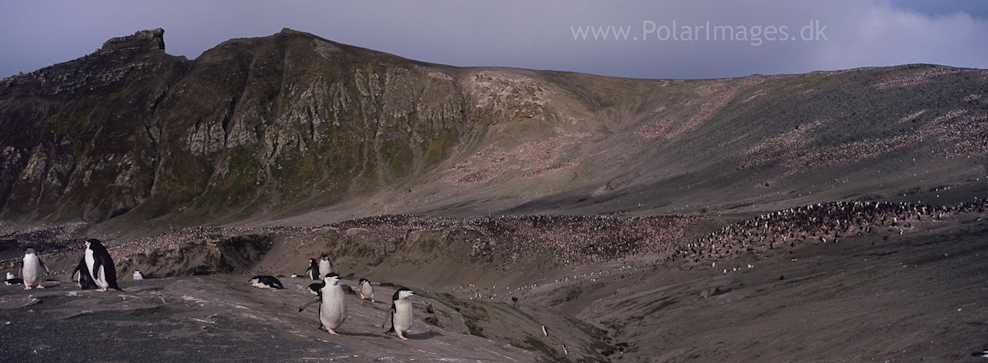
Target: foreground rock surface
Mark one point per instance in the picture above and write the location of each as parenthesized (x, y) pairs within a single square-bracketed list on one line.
[(879, 296)]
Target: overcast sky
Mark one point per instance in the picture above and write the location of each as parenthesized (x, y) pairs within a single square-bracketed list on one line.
[(644, 39)]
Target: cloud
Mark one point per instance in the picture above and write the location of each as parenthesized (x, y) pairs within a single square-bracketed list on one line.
[(936, 8), (879, 35)]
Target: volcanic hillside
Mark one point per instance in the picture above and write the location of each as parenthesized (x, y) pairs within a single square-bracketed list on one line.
[(304, 131), (538, 215)]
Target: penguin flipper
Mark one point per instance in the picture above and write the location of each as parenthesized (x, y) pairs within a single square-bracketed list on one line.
[(311, 301), (109, 271), (75, 272), (389, 317), (97, 263), (47, 271)]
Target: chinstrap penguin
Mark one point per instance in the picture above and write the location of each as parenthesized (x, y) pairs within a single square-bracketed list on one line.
[(366, 290), (100, 265), (313, 270), (266, 282), (332, 303), (82, 277), (31, 271), (325, 266), (138, 275), (13, 280), (400, 313)]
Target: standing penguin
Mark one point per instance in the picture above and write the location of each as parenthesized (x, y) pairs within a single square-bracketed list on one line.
[(366, 290), (400, 313), (138, 275), (332, 303), (325, 266), (313, 270), (100, 265), (84, 280), (31, 271)]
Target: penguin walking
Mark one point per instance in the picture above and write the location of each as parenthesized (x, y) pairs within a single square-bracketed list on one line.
[(313, 270), (325, 266), (31, 270), (13, 280), (266, 282), (332, 303), (400, 313), (100, 265), (82, 277), (366, 290)]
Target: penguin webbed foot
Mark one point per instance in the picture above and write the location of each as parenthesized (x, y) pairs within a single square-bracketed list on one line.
[(331, 331)]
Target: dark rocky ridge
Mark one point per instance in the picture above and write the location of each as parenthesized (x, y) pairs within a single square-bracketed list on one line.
[(129, 126), (300, 129)]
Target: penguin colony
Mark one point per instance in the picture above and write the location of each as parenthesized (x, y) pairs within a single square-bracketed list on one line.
[(816, 223), (786, 229)]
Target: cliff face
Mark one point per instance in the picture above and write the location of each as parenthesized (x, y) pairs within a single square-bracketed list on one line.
[(293, 122), (255, 123), (284, 119), (78, 137)]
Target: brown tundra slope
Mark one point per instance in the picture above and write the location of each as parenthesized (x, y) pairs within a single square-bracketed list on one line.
[(538, 215)]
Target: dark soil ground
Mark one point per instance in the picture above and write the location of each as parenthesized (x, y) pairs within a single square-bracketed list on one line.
[(919, 296)]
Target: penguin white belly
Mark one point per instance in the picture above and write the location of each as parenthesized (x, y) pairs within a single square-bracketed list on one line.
[(325, 267), (367, 292), (402, 316), (101, 278), (31, 272), (332, 309), (98, 276)]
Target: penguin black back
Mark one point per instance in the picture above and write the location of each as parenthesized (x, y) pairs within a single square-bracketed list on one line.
[(270, 282), (316, 287)]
